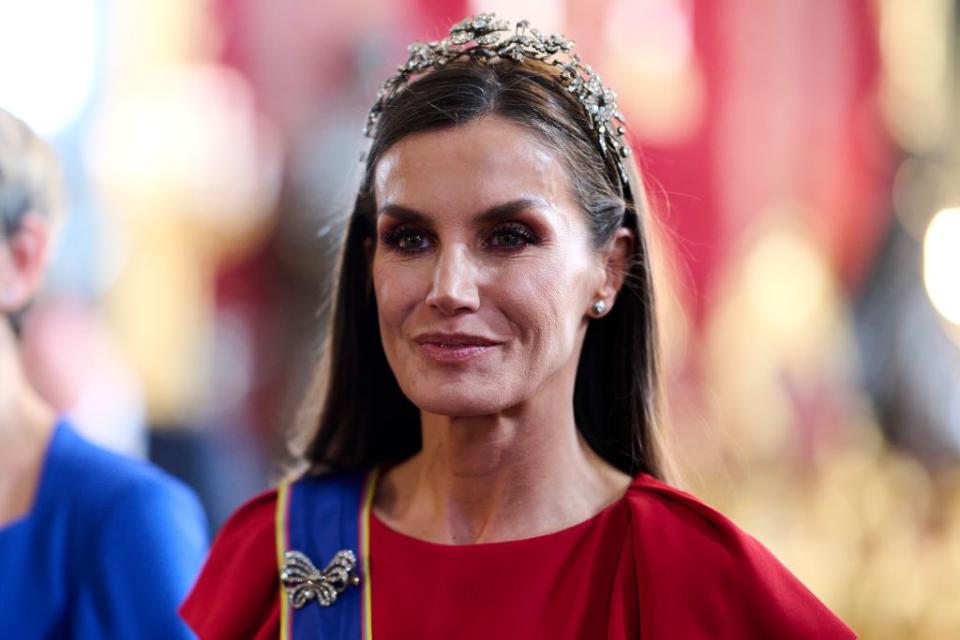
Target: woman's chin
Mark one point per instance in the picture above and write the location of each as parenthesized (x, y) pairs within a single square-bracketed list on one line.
[(459, 404)]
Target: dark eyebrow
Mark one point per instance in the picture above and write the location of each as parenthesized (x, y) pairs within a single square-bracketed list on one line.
[(495, 213)]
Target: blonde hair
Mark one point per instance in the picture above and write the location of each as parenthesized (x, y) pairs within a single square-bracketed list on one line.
[(31, 180)]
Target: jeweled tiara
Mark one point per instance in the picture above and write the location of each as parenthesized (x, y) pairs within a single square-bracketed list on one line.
[(487, 38)]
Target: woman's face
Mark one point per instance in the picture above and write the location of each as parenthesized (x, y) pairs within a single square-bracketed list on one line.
[(484, 269)]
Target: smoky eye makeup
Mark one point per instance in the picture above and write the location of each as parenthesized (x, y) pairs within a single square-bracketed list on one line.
[(511, 236), (504, 237), (505, 229), (405, 238)]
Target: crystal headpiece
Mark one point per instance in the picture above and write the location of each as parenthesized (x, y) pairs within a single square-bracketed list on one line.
[(487, 38)]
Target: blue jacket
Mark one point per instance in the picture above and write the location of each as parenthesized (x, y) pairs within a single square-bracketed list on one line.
[(108, 550)]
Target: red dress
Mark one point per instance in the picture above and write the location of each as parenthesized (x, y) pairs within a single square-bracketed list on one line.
[(657, 564)]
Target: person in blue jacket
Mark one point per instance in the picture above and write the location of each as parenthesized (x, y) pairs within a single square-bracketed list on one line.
[(92, 544)]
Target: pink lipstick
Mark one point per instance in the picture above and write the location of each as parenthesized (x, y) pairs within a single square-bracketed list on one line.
[(453, 347)]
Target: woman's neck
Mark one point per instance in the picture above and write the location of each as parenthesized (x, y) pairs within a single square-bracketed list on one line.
[(26, 425), (518, 474)]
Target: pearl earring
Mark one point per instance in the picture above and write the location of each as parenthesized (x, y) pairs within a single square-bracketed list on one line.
[(599, 307)]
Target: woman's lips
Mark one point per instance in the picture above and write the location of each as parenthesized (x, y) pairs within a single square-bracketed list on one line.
[(453, 348), (453, 352)]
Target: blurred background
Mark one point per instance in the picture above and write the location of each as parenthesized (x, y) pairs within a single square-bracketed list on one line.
[(803, 159)]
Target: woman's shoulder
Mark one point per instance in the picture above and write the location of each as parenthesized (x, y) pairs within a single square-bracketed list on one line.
[(100, 481), (112, 499), (662, 509), (236, 593), (252, 521), (116, 519), (696, 567), (246, 543)]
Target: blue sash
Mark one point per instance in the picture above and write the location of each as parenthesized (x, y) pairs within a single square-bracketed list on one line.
[(320, 516)]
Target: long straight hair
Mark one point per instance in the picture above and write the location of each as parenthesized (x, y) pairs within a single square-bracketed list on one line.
[(356, 416)]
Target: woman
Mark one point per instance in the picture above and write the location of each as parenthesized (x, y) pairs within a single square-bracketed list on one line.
[(92, 545), (485, 461)]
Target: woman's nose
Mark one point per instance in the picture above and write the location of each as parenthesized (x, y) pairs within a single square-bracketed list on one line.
[(454, 286)]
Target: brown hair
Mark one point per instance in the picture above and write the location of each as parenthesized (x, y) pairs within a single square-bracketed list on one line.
[(357, 415)]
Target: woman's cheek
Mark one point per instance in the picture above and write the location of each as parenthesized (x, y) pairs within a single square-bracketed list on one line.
[(390, 319), (526, 302), (557, 311), (393, 292)]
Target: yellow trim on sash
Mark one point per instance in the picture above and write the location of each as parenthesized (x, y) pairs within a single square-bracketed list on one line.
[(283, 541), (367, 605)]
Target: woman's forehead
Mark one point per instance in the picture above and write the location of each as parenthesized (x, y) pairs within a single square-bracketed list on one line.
[(469, 167)]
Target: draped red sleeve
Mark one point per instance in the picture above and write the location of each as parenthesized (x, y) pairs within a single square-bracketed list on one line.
[(236, 594), (700, 576)]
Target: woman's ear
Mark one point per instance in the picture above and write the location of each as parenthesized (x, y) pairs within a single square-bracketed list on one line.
[(617, 262), (23, 257)]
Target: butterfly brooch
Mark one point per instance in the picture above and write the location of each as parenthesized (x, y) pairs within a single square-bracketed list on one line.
[(303, 582)]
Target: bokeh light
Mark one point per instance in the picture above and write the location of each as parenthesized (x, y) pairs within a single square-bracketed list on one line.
[(47, 60), (941, 263)]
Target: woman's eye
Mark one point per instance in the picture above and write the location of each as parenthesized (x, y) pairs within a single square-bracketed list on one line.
[(412, 241), (406, 240), (511, 237)]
